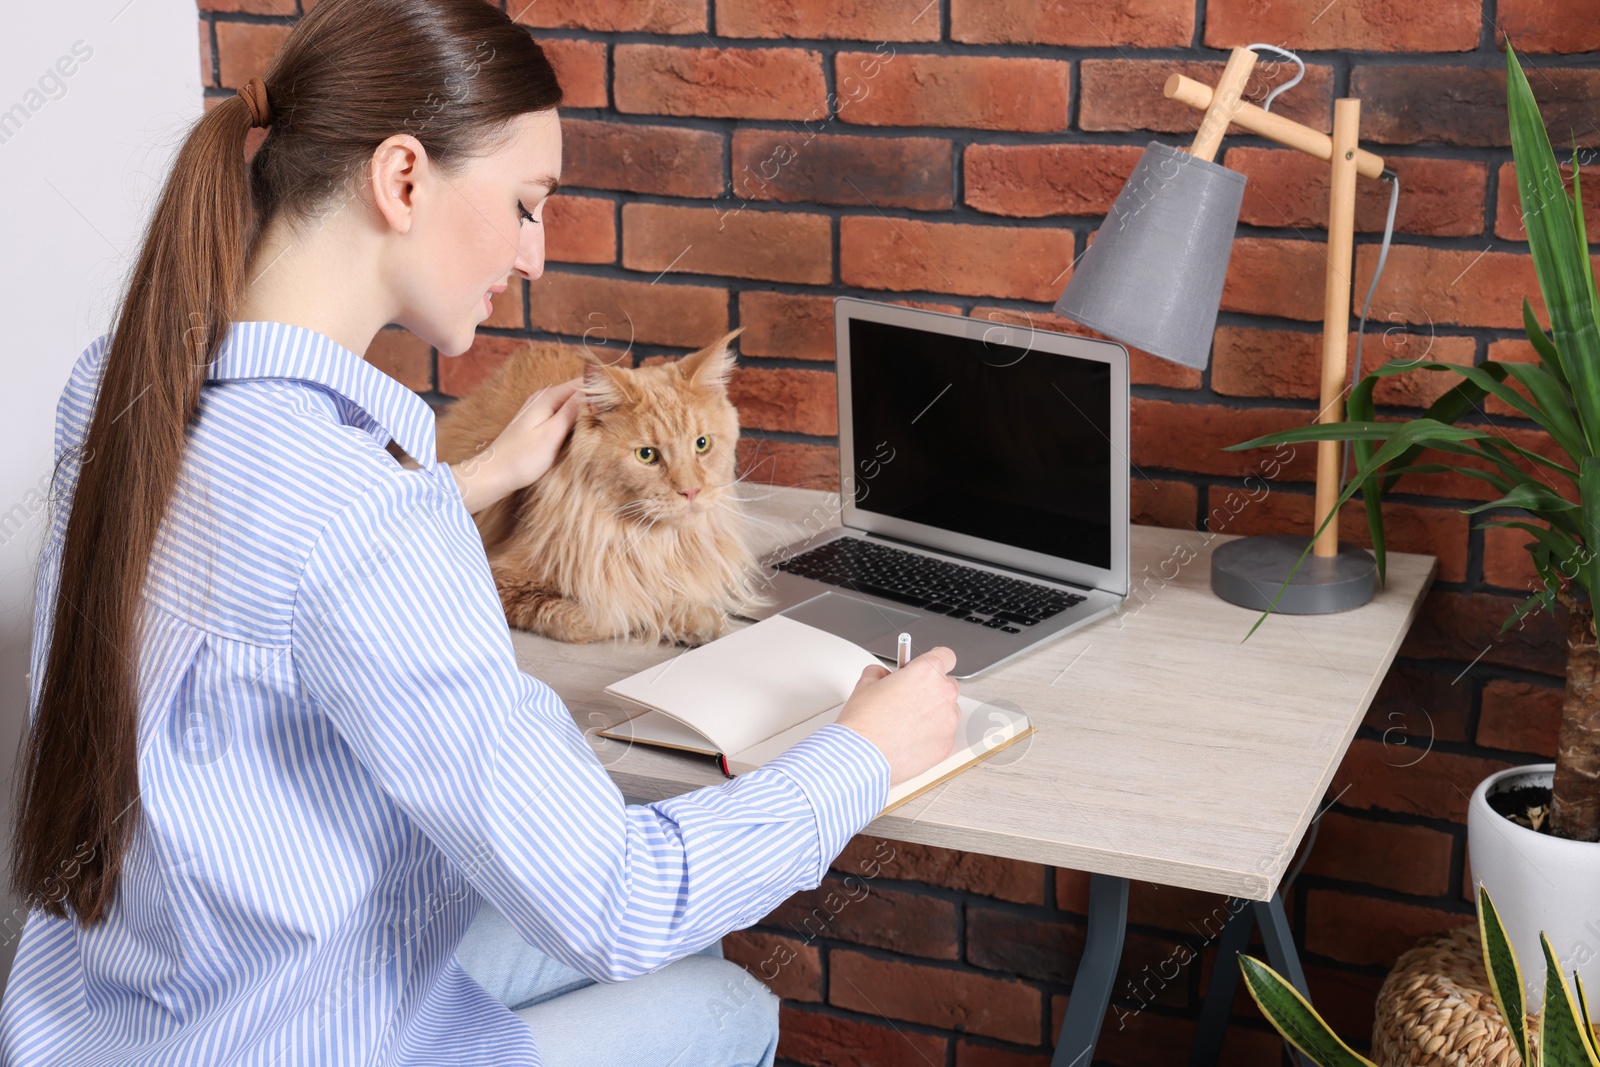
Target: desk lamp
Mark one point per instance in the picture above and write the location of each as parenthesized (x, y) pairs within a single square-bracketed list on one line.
[(1153, 279)]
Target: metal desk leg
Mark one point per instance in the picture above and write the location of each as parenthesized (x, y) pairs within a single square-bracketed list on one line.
[(1281, 952), (1281, 956), (1219, 994), (1097, 972)]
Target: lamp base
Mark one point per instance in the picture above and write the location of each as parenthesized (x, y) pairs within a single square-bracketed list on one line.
[(1249, 571)]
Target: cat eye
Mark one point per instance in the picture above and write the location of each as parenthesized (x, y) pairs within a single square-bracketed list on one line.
[(645, 454), (702, 443)]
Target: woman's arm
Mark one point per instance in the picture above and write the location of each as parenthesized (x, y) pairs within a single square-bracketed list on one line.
[(400, 639), (480, 482)]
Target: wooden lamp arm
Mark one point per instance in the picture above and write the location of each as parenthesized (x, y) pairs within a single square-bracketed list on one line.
[(1285, 131), (1223, 104)]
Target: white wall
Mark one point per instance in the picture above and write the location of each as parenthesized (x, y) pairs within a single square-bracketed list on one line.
[(82, 158)]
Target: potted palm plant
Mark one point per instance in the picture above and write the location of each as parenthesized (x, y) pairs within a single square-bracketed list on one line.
[(1532, 831)]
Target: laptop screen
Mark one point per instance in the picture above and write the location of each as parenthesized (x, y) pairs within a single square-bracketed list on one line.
[(1003, 443)]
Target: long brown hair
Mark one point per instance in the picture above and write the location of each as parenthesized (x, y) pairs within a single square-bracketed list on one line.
[(352, 72)]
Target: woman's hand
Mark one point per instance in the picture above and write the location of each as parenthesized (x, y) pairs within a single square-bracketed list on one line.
[(911, 714), (525, 449)]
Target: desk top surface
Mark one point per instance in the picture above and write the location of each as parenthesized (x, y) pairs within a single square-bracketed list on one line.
[(1164, 749)]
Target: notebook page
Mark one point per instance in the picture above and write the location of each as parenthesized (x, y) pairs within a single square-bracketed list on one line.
[(753, 683), (655, 728)]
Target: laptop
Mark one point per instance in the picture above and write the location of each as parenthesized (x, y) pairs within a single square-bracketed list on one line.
[(983, 472)]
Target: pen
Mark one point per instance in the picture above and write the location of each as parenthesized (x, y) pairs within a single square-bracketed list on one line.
[(903, 651)]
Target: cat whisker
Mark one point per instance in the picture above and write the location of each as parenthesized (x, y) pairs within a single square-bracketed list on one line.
[(628, 548), (753, 498), (747, 474), (634, 511), (756, 520), (748, 500)]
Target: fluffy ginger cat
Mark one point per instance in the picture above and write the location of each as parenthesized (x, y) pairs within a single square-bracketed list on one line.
[(635, 531)]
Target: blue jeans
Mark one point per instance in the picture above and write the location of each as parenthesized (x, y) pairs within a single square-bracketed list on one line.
[(698, 1011)]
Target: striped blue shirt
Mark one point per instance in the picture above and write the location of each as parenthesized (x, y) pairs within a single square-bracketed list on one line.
[(339, 760)]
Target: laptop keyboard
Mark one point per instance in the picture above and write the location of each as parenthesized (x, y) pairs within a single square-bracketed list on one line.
[(971, 594)]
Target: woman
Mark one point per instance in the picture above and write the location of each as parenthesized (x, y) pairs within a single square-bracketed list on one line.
[(286, 796)]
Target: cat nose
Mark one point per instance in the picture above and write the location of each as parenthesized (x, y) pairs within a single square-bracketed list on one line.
[(690, 493)]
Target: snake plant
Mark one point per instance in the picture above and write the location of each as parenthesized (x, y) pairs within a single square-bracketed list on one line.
[(1561, 394), (1564, 1036)]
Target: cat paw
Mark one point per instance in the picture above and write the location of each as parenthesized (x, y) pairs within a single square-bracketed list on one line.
[(698, 625)]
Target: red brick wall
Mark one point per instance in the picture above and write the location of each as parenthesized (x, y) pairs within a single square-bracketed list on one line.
[(741, 162)]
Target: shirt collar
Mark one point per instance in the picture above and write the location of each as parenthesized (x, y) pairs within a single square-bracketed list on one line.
[(281, 350)]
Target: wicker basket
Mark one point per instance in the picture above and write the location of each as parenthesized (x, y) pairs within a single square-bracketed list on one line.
[(1436, 1009)]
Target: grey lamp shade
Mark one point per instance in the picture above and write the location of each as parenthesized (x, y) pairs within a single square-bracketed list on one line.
[(1153, 276)]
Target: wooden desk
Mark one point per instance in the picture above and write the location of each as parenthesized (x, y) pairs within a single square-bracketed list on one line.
[(1164, 749)]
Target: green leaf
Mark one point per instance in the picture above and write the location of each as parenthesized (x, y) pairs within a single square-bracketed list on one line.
[(1583, 1013), (1588, 574), (1451, 406), (1562, 546), (1359, 408), (1555, 406), (1545, 597), (1504, 976), (1548, 357), (1544, 561), (1561, 1042), (1505, 446), (1295, 1019), (1324, 431), (1424, 430), (1510, 476), (1372, 504), (1529, 495), (1549, 545), (1539, 601), (1466, 396), (1582, 241), (1499, 483), (1560, 254), (1490, 378)]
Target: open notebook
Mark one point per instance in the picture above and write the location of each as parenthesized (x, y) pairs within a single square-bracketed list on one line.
[(746, 697)]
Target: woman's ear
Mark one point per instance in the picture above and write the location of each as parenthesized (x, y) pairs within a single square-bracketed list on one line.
[(397, 167)]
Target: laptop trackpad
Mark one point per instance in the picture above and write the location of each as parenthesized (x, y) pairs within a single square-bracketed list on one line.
[(852, 617)]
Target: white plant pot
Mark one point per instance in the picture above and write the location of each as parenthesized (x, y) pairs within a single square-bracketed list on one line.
[(1537, 882)]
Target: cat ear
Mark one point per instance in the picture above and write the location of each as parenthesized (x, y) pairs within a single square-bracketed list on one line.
[(606, 388), (709, 368)]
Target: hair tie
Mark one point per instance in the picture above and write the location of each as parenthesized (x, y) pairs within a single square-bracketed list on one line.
[(254, 92)]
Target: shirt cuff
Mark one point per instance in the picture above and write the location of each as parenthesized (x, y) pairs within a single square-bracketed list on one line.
[(845, 778)]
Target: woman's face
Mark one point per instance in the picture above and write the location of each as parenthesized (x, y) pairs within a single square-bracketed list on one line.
[(473, 229)]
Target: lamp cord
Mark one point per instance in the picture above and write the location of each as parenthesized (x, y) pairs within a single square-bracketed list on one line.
[(1266, 105)]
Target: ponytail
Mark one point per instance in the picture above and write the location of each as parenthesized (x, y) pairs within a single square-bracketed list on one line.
[(78, 783), (352, 73)]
